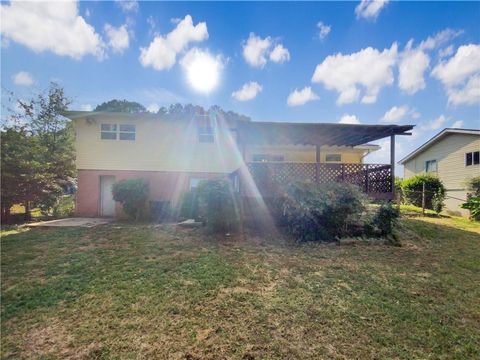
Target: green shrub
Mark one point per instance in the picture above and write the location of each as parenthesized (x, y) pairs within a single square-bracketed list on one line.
[(473, 204), (218, 205), (133, 195), (189, 208), (412, 190), (473, 186), (438, 202), (64, 207), (322, 212), (385, 218)]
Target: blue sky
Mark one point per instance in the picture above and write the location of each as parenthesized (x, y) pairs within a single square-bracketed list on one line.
[(370, 63)]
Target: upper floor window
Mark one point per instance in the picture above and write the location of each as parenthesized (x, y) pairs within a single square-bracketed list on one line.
[(431, 166), (267, 158), (333, 157), (115, 132), (472, 158), (206, 134)]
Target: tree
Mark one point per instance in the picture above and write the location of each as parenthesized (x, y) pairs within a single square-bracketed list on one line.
[(38, 157), (115, 105)]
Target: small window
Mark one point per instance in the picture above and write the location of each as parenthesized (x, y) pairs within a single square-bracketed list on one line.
[(333, 157), (267, 158), (127, 132), (472, 158), (108, 132), (206, 134), (431, 166)]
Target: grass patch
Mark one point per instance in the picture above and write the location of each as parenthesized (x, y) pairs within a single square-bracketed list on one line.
[(125, 291)]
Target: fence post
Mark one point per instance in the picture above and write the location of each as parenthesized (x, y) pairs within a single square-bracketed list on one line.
[(423, 199)]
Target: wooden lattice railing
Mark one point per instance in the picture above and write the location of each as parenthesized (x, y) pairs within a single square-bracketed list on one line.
[(374, 179)]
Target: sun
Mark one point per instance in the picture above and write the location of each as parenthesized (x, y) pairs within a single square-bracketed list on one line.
[(202, 70)]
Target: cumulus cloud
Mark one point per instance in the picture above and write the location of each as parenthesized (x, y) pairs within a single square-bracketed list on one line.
[(300, 97), (349, 119), (22, 78), (324, 30), (460, 75), (369, 9), (118, 38), (162, 52), (248, 91), (280, 54), (368, 70), (446, 52), (50, 26), (434, 124), (397, 113), (457, 124), (127, 5), (257, 50)]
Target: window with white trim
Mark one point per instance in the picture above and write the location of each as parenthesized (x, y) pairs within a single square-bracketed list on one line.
[(472, 158), (333, 157), (117, 132), (431, 166), (206, 134)]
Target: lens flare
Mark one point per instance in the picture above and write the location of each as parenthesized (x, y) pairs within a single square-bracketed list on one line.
[(202, 70)]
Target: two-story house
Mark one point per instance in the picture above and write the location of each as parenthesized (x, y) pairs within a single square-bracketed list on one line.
[(173, 155)]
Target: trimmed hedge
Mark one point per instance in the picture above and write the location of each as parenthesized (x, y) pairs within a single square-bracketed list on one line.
[(434, 191), (133, 195)]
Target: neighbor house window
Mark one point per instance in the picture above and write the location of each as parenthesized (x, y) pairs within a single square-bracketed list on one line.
[(431, 166), (114, 132), (472, 158), (108, 132), (127, 132), (206, 134), (267, 158), (333, 157)]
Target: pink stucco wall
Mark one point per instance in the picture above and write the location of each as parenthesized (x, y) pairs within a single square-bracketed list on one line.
[(163, 186)]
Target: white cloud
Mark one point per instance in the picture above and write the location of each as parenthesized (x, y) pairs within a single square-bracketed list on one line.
[(153, 108), (446, 52), (369, 9), (52, 26), (118, 38), (349, 119), (413, 63), (440, 38), (128, 5), (300, 97), (280, 54), (367, 69), (457, 124), (86, 107), (460, 75), (22, 78), (255, 50), (434, 124), (247, 92), (397, 113), (324, 30), (162, 52)]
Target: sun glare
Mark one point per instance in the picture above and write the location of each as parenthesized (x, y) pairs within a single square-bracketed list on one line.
[(202, 70)]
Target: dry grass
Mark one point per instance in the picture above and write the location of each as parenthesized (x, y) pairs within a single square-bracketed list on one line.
[(121, 291)]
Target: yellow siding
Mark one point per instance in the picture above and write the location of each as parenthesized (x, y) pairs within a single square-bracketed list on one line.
[(305, 153), (450, 155), (159, 146)]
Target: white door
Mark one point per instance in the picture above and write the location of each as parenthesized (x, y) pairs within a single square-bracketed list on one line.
[(107, 204)]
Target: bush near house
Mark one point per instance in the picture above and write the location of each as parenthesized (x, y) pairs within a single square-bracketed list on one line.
[(473, 204), (189, 208), (133, 195), (434, 191), (218, 205), (473, 186)]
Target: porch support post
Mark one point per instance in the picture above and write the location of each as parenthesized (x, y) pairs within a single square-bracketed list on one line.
[(317, 164), (392, 163)]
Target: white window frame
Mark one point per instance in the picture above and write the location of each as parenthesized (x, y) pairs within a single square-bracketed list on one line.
[(108, 129), (432, 161), (333, 161), (116, 129), (472, 153)]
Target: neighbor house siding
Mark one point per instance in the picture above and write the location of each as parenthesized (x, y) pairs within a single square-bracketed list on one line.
[(450, 155)]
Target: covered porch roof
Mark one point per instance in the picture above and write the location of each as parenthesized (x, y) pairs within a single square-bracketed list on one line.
[(263, 133)]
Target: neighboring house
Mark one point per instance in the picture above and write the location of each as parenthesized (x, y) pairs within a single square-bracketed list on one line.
[(175, 155), (453, 155)]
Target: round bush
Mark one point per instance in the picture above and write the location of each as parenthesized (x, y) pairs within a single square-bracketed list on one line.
[(412, 190), (133, 195)]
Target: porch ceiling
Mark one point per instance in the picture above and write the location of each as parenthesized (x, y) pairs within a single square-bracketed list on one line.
[(316, 133)]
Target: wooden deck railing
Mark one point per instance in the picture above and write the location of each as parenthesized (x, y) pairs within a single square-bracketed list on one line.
[(374, 179)]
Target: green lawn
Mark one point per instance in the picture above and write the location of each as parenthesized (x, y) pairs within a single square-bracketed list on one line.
[(123, 291)]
